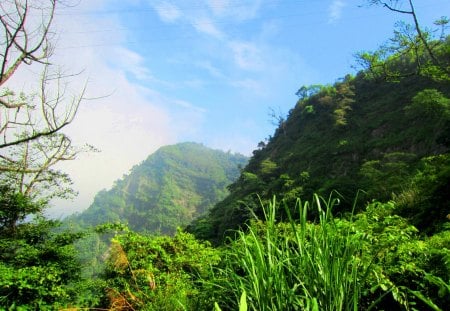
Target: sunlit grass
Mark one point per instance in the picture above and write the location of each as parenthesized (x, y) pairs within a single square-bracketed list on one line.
[(296, 265)]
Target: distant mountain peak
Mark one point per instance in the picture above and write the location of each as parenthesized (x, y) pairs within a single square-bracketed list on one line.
[(169, 189)]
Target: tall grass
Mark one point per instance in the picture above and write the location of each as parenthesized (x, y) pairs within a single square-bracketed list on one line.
[(296, 265)]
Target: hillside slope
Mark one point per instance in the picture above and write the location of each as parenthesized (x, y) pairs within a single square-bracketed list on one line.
[(389, 138), (167, 190)]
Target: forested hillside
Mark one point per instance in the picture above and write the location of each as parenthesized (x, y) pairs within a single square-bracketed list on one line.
[(169, 189), (384, 133)]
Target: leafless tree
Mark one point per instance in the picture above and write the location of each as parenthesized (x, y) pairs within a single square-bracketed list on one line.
[(26, 39), (31, 137)]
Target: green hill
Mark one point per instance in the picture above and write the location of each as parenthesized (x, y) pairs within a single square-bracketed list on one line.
[(384, 131), (170, 188)]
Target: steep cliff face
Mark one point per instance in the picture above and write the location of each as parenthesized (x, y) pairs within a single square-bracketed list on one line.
[(169, 189)]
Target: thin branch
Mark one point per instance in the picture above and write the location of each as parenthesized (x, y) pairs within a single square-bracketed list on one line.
[(396, 10), (5, 168), (10, 105), (27, 54), (422, 37), (34, 136), (420, 34)]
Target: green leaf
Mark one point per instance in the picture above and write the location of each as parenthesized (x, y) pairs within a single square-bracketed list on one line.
[(216, 307), (243, 302), (425, 300)]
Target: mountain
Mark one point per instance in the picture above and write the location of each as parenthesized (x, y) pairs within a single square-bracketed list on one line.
[(383, 134), (169, 189)]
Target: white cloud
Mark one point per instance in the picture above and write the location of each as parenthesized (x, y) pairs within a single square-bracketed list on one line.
[(211, 69), (335, 10), (188, 105), (132, 62), (206, 25), (168, 12), (218, 7), (251, 85), (246, 55), (198, 17), (237, 10)]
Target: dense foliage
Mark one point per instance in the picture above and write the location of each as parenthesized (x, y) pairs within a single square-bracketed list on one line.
[(38, 266), (169, 189), (387, 138), (374, 260), (159, 272)]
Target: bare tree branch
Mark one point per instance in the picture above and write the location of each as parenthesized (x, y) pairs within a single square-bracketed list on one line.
[(19, 46), (25, 41), (11, 105), (32, 141), (420, 33), (56, 110)]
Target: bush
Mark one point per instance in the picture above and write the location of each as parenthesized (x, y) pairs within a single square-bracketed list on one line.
[(159, 272)]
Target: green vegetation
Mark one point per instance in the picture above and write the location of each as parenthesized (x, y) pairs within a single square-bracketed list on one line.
[(362, 133), (382, 136), (374, 260), (159, 272), (296, 266), (367, 262), (168, 190), (38, 267)]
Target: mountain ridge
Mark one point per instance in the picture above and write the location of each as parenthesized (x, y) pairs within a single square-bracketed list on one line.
[(167, 190), (387, 137)]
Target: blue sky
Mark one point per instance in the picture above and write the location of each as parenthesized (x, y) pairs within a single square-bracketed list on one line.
[(207, 71)]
